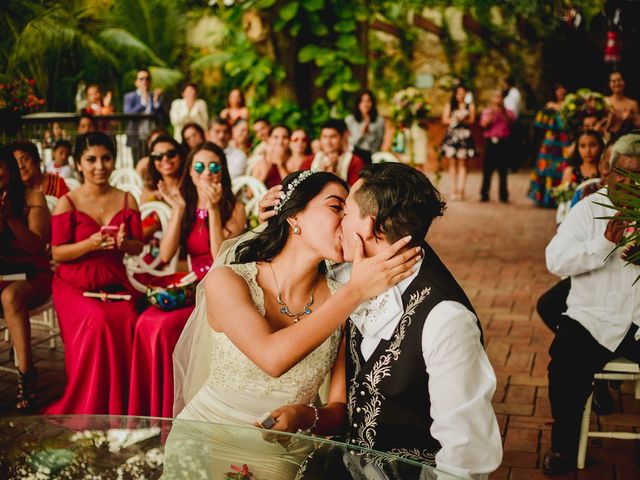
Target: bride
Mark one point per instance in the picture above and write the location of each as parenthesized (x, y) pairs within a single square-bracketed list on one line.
[(267, 329)]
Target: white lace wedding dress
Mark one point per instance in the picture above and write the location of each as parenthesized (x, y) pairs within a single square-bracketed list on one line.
[(237, 393)]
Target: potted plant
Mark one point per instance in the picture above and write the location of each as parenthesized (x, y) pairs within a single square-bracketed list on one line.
[(17, 98)]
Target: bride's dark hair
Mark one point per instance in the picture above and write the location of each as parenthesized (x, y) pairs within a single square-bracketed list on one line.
[(268, 243)]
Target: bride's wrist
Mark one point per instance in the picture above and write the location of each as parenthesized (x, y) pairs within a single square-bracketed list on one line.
[(310, 418)]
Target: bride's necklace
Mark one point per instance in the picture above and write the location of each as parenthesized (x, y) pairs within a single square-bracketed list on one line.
[(285, 309)]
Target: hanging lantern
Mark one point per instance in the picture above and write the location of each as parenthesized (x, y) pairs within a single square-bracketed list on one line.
[(612, 49)]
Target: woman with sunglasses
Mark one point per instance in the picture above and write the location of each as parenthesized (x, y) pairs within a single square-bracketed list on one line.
[(204, 214), (166, 163)]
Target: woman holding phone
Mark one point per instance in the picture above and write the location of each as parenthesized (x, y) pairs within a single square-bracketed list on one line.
[(204, 213), (92, 228)]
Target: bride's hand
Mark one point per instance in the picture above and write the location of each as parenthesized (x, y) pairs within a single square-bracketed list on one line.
[(290, 419), (374, 275)]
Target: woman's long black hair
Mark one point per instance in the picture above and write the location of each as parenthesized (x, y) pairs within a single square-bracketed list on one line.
[(373, 114), (190, 194), (270, 242), (15, 189), (454, 101)]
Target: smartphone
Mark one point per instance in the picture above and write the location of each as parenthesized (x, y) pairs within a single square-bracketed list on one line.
[(266, 421), (109, 231)]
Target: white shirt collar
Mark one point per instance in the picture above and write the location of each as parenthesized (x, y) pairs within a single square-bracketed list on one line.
[(379, 316)]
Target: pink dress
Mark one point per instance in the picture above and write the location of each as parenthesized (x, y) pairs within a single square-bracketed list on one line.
[(97, 336), (156, 335)]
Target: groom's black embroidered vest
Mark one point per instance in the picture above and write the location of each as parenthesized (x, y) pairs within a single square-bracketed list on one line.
[(388, 400)]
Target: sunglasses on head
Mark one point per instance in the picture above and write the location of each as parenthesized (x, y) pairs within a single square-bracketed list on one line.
[(213, 167), (156, 157)]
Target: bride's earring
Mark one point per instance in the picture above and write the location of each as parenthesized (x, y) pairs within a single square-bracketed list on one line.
[(296, 230)]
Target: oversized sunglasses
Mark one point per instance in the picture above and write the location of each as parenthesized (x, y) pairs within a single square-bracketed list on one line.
[(156, 157), (213, 167)]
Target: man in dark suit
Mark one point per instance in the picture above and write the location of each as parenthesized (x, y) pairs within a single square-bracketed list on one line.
[(142, 100)]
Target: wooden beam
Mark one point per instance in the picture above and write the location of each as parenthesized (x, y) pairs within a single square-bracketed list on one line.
[(427, 25), (377, 24)]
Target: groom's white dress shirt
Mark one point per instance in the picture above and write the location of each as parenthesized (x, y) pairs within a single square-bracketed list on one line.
[(461, 379)]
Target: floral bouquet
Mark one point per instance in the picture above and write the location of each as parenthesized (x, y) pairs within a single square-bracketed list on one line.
[(19, 96), (581, 104), (564, 192), (173, 291), (408, 106)]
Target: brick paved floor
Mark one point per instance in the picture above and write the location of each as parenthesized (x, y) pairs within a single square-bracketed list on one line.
[(496, 251)]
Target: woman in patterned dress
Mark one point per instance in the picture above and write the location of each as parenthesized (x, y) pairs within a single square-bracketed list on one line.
[(551, 160), (458, 145)]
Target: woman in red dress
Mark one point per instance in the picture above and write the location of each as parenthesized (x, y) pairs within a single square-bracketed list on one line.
[(204, 214), (28, 158), (24, 232), (92, 228)]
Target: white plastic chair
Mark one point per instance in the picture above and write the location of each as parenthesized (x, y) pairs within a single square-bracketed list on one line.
[(247, 181), (51, 202), (619, 369), (129, 180), (384, 157), (124, 157), (72, 183), (48, 321), (563, 208), (135, 264)]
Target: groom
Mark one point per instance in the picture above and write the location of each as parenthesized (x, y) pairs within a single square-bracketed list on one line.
[(419, 383)]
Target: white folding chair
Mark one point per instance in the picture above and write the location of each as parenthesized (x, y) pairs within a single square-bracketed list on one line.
[(135, 264), (618, 369), (384, 157)]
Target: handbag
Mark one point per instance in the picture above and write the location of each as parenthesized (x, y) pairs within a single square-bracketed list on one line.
[(173, 291)]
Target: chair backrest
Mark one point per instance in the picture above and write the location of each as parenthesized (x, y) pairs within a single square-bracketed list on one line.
[(125, 176), (247, 181), (136, 264), (383, 157), (124, 157), (72, 183), (585, 187), (51, 202)]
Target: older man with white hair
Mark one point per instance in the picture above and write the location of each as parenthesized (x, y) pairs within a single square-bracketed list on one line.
[(603, 306)]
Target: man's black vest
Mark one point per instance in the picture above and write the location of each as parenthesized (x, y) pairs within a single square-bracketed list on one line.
[(388, 400)]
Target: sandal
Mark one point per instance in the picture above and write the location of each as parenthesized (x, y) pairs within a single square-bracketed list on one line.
[(26, 391)]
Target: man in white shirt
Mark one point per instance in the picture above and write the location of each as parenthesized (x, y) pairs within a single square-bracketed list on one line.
[(419, 382), (512, 96), (220, 134), (603, 306)]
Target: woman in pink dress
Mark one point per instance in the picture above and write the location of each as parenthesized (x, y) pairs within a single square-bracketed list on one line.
[(92, 228), (204, 214)]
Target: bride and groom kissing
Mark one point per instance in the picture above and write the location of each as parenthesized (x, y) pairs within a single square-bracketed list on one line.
[(400, 339)]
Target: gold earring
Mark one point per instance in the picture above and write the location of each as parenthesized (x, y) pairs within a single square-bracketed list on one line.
[(296, 230)]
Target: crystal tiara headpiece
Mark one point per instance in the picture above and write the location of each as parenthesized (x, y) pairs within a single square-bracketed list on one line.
[(292, 186)]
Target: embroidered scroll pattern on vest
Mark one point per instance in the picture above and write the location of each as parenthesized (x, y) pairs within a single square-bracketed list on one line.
[(381, 369), (422, 456)]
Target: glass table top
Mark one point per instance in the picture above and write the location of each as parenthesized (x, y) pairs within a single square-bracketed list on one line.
[(120, 447)]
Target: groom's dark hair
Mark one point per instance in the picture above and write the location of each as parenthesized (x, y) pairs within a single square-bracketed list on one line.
[(401, 199)]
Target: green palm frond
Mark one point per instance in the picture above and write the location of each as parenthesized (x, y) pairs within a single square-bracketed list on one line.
[(121, 40), (166, 77)]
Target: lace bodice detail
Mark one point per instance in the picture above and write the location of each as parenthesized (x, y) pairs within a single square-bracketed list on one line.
[(232, 371)]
